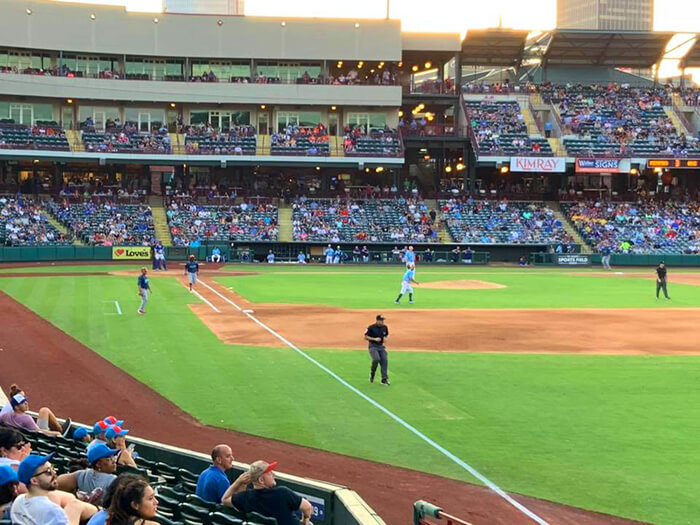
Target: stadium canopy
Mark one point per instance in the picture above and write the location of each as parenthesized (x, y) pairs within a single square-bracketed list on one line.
[(493, 47), (692, 58), (640, 49)]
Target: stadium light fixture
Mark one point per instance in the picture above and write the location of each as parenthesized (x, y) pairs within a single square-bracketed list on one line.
[(318, 168), (262, 106), (156, 20), (400, 113), (283, 24), (36, 161), (366, 170), (505, 169), (448, 169), (414, 68), (426, 157), (172, 104), (634, 171), (219, 22), (93, 16), (333, 108), (357, 25), (460, 166), (379, 169), (28, 11), (400, 64), (70, 100), (428, 65)]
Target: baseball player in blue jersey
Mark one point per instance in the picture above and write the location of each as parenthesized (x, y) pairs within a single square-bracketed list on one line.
[(410, 257), (329, 254), (192, 269), (406, 281), (159, 259), (144, 290)]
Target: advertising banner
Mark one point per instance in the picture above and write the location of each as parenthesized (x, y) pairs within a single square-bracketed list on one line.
[(602, 166), (572, 259), (538, 164), (123, 253)]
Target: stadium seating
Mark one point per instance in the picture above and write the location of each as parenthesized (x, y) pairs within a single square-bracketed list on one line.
[(42, 136), (645, 227), (203, 140), (295, 140), (122, 142), (502, 222), (615, 121), (106, 223), (499, 127), (242, 222), (376, 143), (367, 221), (24, 223)]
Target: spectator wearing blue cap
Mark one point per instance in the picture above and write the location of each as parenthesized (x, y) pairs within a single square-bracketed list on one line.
[(82, 434), (99, 430), (9, 485), (213, 482), (116, 438), (35, 507), (94, 480)]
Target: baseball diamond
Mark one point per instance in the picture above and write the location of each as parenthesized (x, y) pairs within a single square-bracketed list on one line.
[(349, 263)]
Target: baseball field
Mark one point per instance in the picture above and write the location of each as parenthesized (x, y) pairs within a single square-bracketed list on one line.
[(573, 386)]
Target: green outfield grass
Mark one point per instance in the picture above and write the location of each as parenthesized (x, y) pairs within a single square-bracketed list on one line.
[(607, 433)]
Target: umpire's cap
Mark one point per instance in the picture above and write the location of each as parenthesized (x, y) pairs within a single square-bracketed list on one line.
[(380, 317)]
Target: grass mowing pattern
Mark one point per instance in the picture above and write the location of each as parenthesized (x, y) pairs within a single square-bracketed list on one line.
[(613, 434)]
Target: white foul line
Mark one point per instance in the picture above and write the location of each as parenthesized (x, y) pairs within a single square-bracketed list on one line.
[(491, 485), (119, 310), (203, 299)]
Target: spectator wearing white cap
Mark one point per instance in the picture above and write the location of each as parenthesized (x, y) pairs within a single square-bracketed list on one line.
[(46, 422), (266, 497), (35, 507), (94, 480)]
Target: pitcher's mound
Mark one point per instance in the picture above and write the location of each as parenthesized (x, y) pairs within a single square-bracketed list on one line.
[(462, 285)]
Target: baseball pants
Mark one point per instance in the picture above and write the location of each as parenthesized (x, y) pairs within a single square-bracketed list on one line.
[(144, 300), (192, 277), (606, 262), (379, 358), (661, 285)]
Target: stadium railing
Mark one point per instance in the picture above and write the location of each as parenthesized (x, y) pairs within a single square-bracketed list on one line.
[(423, 510)]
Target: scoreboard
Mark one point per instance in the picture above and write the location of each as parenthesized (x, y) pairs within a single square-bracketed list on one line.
[(685, 164)]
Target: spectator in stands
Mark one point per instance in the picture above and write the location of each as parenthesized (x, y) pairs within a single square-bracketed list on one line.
[(265, 497), (134, 502), (116, 439), (100, 518), (98, 434), (9, 490), (94, 480), (46, 421), (365, 254), (14, 447), (216, 254), (82, 434), (213, 482), (35, 507)]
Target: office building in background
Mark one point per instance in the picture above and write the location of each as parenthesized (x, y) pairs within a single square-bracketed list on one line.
[(612, 15)]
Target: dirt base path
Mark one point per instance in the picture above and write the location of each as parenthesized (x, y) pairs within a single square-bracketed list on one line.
[(579, 331), (58, 371)]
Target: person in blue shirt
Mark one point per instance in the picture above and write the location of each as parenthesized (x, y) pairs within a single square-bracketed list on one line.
[(192, 269), (144, 290), (159, 258), (213, 482), (410, 257), (329, 254), (406, 281), (337, 255), (301, 258), (270, 257), (216, 255)]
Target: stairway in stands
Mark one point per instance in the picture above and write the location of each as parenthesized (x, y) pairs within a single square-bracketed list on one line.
[(177, 143), (60, 227), (677, 122), (284, 223), (336, 146), (74, 140), (160, 224), (262, 146), (557, 146), (444, 236), (568, 226), (533, 130)]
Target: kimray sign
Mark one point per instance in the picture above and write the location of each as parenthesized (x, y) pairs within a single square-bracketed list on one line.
[(538, 164)]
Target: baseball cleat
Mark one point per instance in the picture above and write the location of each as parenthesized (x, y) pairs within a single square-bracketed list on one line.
[(385, 382), (141, 312), (396, 302), (410, 302)]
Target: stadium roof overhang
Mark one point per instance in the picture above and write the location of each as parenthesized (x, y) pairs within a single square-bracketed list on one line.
[(605, 48), (692, 58), (493, 47)]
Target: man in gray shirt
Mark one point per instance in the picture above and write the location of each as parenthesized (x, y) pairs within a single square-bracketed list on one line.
[(375, 335)]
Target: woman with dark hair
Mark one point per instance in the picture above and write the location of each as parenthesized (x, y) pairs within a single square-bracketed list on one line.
[(134, 503), (101, 517), (15, 416), (13, 447)]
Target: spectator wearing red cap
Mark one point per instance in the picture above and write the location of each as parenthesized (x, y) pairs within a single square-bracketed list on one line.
[(92, 481), (266, 497), (46, 422), (98, 433), (116, 439)]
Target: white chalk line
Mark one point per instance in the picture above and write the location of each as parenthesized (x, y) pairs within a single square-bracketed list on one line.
[(495, 488), (119, 309), (203, 299)]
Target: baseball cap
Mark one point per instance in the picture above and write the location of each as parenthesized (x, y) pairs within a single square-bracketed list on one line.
[(115, 431), (80, 433), (99, 428), (111, 420), (7, 474), (18, 399), (260, 467), (100, 451), (28, 466), (380, 317)]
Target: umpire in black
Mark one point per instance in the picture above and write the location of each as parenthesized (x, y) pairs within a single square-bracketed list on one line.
[(376, 334), (661, 280)]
